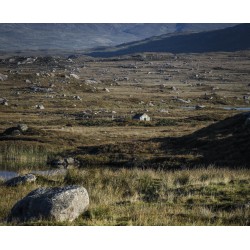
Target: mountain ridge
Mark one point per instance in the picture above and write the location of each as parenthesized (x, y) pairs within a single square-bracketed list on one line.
[(229, 39), (79, 36)]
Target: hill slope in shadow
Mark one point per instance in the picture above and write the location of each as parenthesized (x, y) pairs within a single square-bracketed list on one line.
[(224, 143), (228, 40)]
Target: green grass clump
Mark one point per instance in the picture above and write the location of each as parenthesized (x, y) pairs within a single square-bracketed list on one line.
[(15, 155)]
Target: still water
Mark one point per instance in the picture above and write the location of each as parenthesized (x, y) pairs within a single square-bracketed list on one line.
[(225, 108), (6, 175)]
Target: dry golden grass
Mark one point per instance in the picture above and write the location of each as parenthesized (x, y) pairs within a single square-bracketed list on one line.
[(131, 196), (149, 197)]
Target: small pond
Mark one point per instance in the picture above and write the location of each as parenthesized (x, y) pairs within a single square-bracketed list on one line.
[(237, 108), (6, 175), (225, 108)]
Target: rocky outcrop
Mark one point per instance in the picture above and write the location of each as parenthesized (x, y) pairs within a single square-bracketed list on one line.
[(19, 180), (58, 203)]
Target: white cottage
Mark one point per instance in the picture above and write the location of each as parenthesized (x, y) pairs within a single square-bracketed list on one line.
[(141, 117)]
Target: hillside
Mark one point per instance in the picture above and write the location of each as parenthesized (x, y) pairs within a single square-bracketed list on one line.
[(224, 143), (229, 39), (82, 36)]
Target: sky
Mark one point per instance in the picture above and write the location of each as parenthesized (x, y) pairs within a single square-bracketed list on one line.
[(121, 11)]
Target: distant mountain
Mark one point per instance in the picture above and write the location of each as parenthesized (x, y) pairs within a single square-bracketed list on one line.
[(228, 39), (43, 36)]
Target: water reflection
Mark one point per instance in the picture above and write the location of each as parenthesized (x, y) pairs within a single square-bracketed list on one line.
[(6, 175)]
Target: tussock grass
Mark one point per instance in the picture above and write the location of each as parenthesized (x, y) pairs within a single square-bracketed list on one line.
[(150, 197), (15, 155)]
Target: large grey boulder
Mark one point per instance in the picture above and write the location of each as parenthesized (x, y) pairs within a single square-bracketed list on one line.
[(19, 180), (58, 203)]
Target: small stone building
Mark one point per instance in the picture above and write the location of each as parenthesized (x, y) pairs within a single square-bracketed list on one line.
[(141, 117)]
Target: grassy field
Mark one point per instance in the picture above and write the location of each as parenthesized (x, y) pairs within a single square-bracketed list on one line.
[(150, 198), (186, 166)]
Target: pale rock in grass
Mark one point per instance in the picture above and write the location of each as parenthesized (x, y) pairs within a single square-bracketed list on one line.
[(4, 102), (39, 106), (22, 127), (90, 81), (70, 161), (77, 97), (75, 76), (27, 81), (182, 100), (197, 107), (163, 111), (3, 77), (58, 204)]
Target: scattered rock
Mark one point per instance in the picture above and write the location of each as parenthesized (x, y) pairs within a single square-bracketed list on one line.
[(183, 101), (75, 76), (77, 97), (19, 180), (40, 89), (70, 161), (163, 111), (3, 77), (22, 127), (12, 60), (106, 89), (58, 203), (3, 101), (39, 106), (28, 60), (27, 81), (197, 107), (90, 81)]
